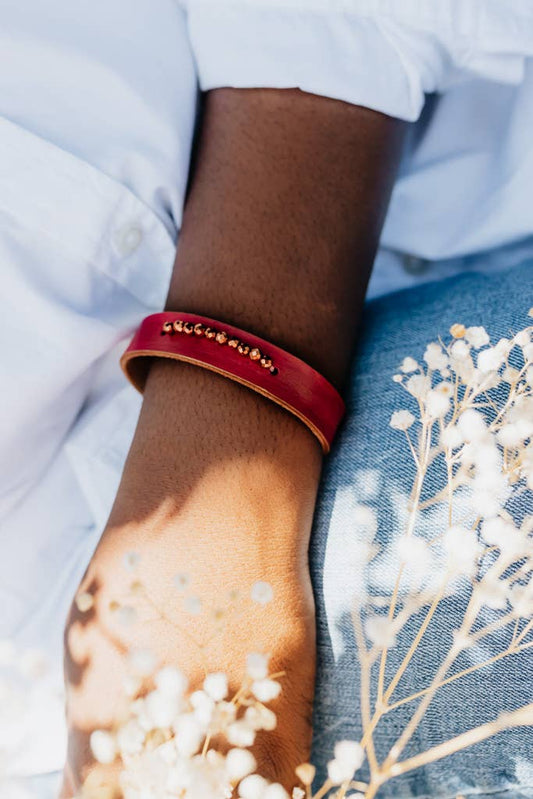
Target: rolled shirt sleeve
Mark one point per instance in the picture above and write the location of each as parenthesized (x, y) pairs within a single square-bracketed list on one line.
[(382, 54)]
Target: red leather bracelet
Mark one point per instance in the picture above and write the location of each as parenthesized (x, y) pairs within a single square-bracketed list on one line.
[(241, 356)]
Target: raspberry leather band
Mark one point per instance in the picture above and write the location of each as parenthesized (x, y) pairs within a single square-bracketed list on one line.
[(290, 382)]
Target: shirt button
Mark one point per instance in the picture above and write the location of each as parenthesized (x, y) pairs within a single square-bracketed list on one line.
[(414, 265), (127, 239)]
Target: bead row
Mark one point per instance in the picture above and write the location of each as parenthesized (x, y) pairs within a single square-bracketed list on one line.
[(221, 337)]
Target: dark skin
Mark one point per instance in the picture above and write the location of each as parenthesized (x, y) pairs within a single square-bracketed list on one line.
[(279, 234)]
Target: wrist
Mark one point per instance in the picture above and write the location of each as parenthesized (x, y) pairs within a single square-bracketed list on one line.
[(207, 450)]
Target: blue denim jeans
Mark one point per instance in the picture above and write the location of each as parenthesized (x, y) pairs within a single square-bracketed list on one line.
[(369, 459)]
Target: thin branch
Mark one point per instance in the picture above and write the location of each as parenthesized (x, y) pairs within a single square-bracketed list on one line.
[(510, 651), (522, 717), (365, 691)]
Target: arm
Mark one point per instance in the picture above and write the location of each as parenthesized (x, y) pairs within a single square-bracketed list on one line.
[(279, 233)]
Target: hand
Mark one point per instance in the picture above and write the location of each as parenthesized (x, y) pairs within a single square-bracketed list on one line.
[(285, 628)]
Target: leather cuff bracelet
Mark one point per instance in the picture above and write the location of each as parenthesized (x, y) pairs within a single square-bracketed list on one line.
[(241, 356)]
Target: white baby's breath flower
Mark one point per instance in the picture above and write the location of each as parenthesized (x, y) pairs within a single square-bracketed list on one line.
[(171, 681), (266, 690), (224, 714), (130, 738), (160, 708), (241, 733), (511, 435), (472, 425), (477, 337), (418, 386), (435, 357), (485, 503), (298, 793), (216, 686), (527, 352), (84, 601), (103, 746), (275, 791), (203, 706), (511, 542), (451, 437), (401, 420), (189, 734), (349, 757), (510, 375), (489, 360), (253, 787), (463, 368), (259, 717), (262, 592), (239, 763), (350, 753), (460, 350), (257, 665), (437, 404), (416, 555), (521, 598), (408, 365), (305, 773), (503, 347), (522, 338), (458, 330)]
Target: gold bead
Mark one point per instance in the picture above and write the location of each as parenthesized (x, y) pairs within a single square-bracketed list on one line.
[(255, 354), (199, 329), (266, 362), (222, 337), (188, 328), (233, 342), (178, 326), (210, 332), (167, 328), (243, 348)]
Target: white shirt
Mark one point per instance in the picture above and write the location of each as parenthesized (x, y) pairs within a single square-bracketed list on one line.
[(97, 112)]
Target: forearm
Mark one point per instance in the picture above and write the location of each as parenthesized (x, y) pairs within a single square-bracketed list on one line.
[(278, 238), (284, 216)]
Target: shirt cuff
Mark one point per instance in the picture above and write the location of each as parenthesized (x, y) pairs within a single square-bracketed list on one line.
[(330, 54), (383, 55)]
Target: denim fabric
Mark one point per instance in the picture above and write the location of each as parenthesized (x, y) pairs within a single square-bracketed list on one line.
[(369, 458)]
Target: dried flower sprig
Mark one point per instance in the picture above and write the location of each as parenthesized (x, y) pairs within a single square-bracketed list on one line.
[(472, 432), (471, 427)]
